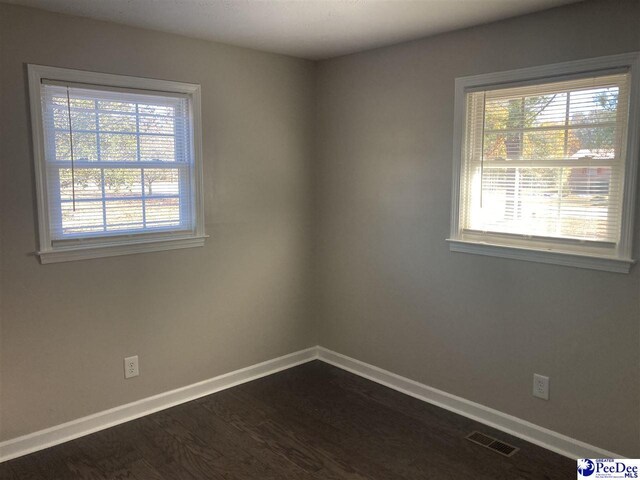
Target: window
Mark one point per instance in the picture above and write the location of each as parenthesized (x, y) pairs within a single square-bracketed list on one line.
[(545, 163), (118, 164)]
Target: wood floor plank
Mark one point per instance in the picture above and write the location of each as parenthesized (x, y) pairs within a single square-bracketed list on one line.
[(328, 442), (51, 462), (238, 446), (276, 438), (158, 448), (6, 471), (20, 469), (207, 455), (105, 455), (312, 422), (137, 470)]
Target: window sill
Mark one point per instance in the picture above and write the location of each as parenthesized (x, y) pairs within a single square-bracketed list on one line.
[(594, 262), (85, 252)]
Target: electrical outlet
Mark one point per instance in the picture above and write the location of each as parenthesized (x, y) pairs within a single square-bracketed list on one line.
[(540, 386), (131, 367)]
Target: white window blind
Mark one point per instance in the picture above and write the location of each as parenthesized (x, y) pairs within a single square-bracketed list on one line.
[(546, 161), (118, 162)]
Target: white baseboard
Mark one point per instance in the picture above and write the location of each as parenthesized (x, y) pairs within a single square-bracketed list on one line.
[(517, 427), (49, 437)]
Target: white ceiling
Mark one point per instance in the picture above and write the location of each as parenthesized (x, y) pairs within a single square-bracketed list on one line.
[(312, 29)]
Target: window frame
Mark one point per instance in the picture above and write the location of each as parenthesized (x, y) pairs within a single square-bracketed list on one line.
[(553, 251), (128, 243)]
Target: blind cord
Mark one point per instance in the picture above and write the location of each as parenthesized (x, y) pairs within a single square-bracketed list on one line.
[(73, 179), (484, 116)]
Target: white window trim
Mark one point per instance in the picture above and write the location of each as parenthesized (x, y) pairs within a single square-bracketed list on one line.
[(621, 261), (127, 244)]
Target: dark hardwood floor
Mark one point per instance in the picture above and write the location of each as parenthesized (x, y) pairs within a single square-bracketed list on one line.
[(307, 423)]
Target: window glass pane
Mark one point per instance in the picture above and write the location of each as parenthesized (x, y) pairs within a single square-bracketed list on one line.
[(545, 110), (156, 124), (122, 182), (157, 147), (114, 106), (79, 103), (156, 109), (122, 197), (86, 218), (161, 181), (598, 105), (116, 147), (84, 147), (117, 122), (597, 142), (526, 112), (503, 114), (81, 119), (548, 202), (502, 146), (545, 144), (124, 214), (88, 183), (163, 212)]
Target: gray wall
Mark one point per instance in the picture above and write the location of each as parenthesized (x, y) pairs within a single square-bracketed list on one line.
[(391, 293), (189, 314)]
